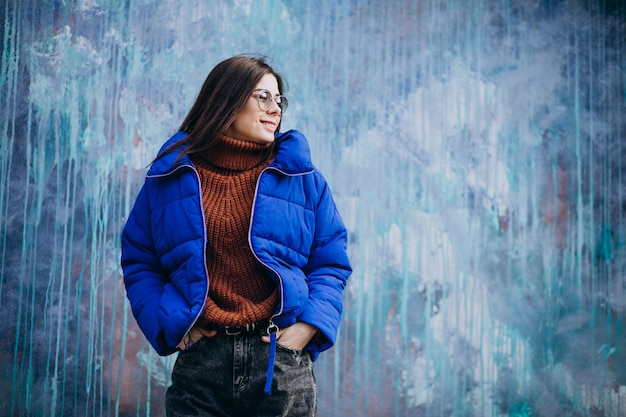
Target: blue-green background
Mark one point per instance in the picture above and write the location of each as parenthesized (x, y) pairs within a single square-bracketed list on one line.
[(476, 151)]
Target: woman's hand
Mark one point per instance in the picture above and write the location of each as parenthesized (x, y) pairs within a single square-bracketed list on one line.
[(295, 337), (194, 335)]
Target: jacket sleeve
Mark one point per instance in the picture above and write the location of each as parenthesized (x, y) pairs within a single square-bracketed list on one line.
[(144, 277), (327, 271)]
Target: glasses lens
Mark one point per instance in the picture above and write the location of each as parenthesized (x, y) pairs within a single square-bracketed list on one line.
[(282, 103), (265, 101)]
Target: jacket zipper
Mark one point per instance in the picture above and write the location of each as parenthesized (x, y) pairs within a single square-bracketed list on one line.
[(271, 327), (204, 234)]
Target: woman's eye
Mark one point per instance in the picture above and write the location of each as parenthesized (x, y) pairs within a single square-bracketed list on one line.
[(263, 97)]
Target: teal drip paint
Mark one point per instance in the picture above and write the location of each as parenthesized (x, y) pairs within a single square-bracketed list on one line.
[(8, 77), (64, 194), (75, 278), (122, 354), (403, 313), (580, 230)]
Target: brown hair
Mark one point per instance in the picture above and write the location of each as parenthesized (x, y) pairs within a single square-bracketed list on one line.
[(222, 97)]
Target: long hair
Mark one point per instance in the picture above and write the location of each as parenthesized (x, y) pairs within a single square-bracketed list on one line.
[(222, 97)]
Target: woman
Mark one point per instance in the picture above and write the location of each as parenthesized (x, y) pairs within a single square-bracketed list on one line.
[(235, 255)]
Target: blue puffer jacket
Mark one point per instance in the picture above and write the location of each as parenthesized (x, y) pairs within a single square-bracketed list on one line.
[(295, 231)]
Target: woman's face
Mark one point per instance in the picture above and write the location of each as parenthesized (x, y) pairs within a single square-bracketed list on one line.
[(253, 124)]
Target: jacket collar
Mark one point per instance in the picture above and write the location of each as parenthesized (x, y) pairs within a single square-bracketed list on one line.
[(293, 156)]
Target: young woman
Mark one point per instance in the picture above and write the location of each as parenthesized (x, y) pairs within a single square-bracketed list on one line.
[(235, 255)]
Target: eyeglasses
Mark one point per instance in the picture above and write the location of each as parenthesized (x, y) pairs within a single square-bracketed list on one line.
[(265, 99)]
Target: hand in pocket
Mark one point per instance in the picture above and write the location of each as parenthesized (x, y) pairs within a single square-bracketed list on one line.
[(194, 335)]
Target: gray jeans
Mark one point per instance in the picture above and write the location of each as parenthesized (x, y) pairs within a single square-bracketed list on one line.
[(225, 375)]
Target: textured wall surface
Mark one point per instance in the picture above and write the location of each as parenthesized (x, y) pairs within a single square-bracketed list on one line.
[(476, 150)]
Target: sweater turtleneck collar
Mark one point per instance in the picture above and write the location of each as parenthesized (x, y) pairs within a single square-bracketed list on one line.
[(236, 155)]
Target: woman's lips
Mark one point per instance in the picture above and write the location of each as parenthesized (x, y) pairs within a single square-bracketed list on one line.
[(271, 125)]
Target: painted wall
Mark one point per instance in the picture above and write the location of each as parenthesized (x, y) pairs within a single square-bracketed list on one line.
[(476, 150)]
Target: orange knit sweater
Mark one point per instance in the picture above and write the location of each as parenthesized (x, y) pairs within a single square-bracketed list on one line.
[(240, 289)]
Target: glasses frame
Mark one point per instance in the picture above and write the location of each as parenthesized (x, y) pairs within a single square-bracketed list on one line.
[(281, 101)]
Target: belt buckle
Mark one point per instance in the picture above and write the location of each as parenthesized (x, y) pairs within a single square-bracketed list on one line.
[(232, 331)]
